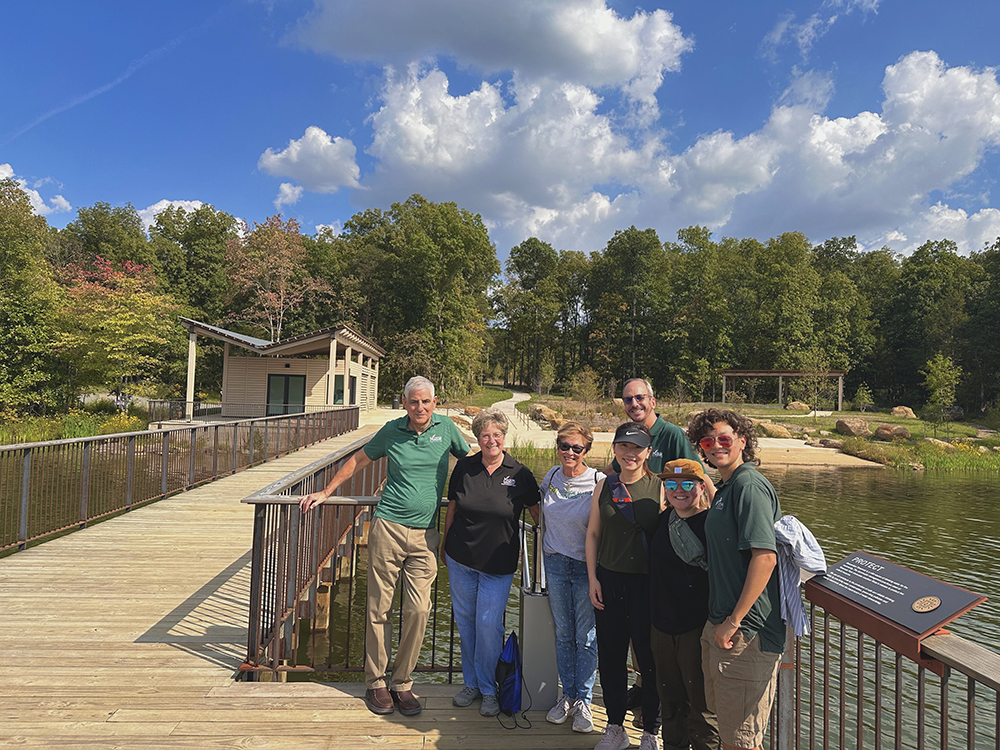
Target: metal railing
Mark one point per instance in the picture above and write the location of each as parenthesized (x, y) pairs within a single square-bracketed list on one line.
[(164, 411), (308, 573), (62, 485), (843, 688)]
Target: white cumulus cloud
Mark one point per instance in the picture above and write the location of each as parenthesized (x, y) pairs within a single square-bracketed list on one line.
[(149, 213), (57, 204), (316, 161), (578, 41), (288, 194)]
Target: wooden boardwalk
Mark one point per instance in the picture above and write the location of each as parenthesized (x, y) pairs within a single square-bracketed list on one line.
[(128, 635)]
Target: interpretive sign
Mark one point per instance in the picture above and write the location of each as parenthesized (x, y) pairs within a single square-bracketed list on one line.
[(919, 603)]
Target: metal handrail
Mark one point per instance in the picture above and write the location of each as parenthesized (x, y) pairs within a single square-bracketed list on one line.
[(841, 687), (61, 485), (299, 558)]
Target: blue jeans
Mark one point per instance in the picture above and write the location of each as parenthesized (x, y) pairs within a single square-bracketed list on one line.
[(576, 635), (478, 600)]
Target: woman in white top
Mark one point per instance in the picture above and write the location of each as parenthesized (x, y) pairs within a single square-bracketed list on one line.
[(567, 490)]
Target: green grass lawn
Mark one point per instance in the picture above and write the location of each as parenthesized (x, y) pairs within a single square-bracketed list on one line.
[(486, 397)]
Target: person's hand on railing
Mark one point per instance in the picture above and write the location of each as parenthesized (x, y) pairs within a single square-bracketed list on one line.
[(311, 500)]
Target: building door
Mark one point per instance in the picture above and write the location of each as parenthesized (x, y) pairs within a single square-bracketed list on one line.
[(286, 394)]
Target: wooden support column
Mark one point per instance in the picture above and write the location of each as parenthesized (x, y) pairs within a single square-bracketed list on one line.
[(347, 376), (723, 389), (192, 352), (781, 382), (225, 374), (331, 375), (375, 386), (840, 393)]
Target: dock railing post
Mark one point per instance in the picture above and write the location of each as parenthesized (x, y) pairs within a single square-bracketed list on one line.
[(787, 699)]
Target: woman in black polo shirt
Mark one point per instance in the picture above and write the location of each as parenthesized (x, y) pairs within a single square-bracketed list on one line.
[(486, 495)]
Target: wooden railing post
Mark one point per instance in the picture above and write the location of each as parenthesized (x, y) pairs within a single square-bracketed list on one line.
[(165, 462)]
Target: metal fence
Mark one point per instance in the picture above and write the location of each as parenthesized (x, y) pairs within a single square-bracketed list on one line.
[(52, 487), (164, 411), (307, 580), (843, 688)]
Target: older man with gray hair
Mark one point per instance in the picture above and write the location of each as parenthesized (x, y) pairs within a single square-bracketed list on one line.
[(402, 539)]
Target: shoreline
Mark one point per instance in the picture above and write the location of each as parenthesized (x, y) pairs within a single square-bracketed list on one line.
[(771, 451)]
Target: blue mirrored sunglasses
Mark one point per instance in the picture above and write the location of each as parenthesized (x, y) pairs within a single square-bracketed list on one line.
[(685, 484)]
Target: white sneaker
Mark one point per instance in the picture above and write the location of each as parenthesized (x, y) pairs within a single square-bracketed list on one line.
[(559, 712), (615, 738), (583, 719), (649, 742)]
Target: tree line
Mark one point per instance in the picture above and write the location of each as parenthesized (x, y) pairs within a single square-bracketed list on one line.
[(95, 305)]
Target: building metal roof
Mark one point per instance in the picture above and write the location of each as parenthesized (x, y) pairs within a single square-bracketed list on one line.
[(317, 342)]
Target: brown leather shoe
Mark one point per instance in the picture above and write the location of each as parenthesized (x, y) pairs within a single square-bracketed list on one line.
[(407, 702), (379, 701)]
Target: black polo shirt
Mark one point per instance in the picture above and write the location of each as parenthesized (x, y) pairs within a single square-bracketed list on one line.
[(484, 531)]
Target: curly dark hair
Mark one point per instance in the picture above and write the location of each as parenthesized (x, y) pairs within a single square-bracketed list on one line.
[(704, 422)]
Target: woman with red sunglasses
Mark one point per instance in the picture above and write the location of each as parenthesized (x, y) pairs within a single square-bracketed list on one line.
[(744, 636)]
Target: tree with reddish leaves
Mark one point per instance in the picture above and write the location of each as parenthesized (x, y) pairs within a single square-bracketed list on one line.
[(118, 328), (267, 271)]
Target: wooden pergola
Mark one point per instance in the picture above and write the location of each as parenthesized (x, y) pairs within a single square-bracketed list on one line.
[(781, 375)]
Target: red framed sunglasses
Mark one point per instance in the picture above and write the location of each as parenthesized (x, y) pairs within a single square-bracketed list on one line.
[(708, 442)]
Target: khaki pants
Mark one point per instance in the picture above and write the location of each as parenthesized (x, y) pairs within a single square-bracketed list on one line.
[(394, 549)]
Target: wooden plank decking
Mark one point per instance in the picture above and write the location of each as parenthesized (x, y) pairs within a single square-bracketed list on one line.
[(128, 635)]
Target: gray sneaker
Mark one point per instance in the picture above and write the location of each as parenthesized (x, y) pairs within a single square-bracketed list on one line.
[(583, 719), (649, 742), (560, 712), (615, 738), (491, 706), (466, 697)]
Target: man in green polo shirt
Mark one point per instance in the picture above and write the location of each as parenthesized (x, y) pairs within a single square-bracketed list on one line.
[(402, 538), (669, 442)]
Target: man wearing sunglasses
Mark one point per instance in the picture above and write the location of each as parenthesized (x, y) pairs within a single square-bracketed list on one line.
[(668, 440)]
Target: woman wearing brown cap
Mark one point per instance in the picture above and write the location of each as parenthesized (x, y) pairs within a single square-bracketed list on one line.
[(678, 598)]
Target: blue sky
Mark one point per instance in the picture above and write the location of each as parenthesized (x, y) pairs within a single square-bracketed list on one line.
[(562, 119)]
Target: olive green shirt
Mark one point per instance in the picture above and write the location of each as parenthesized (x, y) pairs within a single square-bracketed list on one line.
[(621, 549)]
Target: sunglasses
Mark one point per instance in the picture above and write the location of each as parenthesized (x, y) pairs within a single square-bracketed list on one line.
[(685, 484), (577, 449), (638, 398), (724, 441)]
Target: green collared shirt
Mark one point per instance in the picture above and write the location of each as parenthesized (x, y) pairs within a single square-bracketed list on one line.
[(417, 468)]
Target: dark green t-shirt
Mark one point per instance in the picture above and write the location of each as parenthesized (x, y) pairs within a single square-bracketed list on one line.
[(742, 518), (621, 548), (417, 466), (669, 442)]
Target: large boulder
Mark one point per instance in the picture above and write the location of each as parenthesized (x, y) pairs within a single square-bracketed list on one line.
[(903, 411), (797, 406), (939, 443), (471, 411), (542, 413), (618, 402), (891, 431), (831, 443), (772, 430), (853, 427)]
